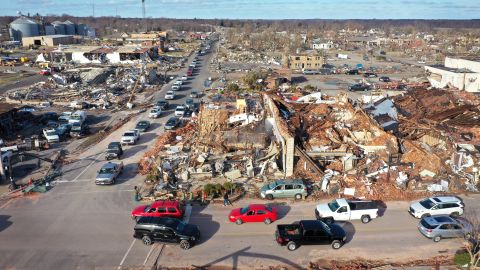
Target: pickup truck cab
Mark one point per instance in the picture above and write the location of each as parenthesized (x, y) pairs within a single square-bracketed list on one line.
[(343, 210), (310, 232), (114, 150), (130, 137), (78, 130), (108, 173)]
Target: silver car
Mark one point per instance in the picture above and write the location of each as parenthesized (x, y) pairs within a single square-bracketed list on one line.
[(108, 173), (444, 226)]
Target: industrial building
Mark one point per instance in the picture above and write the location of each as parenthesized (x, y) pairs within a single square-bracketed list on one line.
[(457, 73), (29, 27), (50, 40)]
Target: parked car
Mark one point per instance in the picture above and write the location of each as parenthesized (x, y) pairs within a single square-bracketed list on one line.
[(194, 94), (253, 213), (180, 110), (160, 208), (51, 135), (44, 72), (176, 88), (384, 79), (63, 130), (310, 232), (444, 226), (184, 78), (162, 104), (155, 113), (352, 72), (178, 82), (108, 173), (78, 130), (172, 123), (284, 189), (64, 117), (170, 95), (114, 150), (358, 87), (189, 103), (190, 72), (167, 230), (142, 126), (369, 75), (343, 210), (438, 205), (130, 137)]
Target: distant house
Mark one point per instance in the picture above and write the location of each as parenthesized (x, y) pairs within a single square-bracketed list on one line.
[(323, 45)]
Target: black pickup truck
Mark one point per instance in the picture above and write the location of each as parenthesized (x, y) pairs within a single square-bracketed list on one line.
[(114, 150), (310, 232)]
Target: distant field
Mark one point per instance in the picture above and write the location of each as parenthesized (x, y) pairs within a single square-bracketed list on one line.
[(8, 78)]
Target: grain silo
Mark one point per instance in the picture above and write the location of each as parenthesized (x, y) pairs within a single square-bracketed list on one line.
[(69, 27), (59, 28), (49, 29), (82, 29), (24, 27)]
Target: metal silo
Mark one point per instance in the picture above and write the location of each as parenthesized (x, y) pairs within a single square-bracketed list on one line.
[(69, 28), (82, 29), (59, 28), (24, 27), (49, 29)]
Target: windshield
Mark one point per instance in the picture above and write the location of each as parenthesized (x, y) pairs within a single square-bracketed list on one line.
[(272, 185), (75, 117), (76, 127), (106, 170), (244, 210), (333, 205), (427, 203), (51, 133), (326, 228), (128, 134)]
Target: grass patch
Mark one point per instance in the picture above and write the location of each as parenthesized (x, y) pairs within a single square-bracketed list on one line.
[(462, 258)]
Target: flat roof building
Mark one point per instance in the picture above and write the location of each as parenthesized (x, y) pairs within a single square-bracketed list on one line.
[(51, 40)]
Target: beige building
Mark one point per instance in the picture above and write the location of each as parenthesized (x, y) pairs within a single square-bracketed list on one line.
[(313, 60), (463, 74), (51, 40)]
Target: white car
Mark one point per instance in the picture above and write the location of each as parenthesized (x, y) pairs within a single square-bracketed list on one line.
[(65, 116), (176, 87), (130, 137), (180, 111), (178, 82), (155, 113), (439, 205), (170, 95), (51, 135), (184, 78)]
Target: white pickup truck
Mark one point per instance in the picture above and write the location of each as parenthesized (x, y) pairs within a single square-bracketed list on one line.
[(343, 210), (130, 137), (51, 135)]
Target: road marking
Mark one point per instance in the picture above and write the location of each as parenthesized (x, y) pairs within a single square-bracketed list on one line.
[(188, 213), (126, 254), (148, 255), (86, 168)]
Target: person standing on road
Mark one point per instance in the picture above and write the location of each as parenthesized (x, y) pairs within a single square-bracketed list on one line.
[(226, 201)]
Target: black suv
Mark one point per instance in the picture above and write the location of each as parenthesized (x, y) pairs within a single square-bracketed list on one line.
[(114, 150), (168, 230), (358, 87)]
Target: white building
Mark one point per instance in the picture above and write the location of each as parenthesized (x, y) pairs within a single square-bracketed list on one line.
[(459, 73), (323, 46)]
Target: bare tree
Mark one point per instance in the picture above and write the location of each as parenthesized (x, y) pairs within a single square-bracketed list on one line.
[(471, 242)]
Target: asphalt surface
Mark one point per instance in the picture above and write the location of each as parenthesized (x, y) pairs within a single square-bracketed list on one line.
[(78, 225)]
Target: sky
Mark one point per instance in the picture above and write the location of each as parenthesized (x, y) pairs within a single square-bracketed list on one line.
[(253, 9)]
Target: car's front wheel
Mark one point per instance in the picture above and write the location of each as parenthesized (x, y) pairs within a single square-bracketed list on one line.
[(239, 221), (147, 240), (269, 197), (336, 244), (291, 246), (184, 244)]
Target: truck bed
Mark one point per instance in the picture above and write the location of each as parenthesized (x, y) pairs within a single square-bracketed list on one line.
[(288, 230)]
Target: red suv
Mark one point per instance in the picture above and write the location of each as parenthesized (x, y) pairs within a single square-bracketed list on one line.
[(162, 208)]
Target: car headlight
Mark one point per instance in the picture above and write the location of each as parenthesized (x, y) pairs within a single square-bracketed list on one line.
[(192, 238), (232, 217)]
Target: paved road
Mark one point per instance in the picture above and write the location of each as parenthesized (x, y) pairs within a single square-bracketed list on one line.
[(79, 225)]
